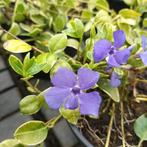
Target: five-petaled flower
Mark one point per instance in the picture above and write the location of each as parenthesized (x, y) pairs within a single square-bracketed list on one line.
[(105, 49), (69, 91), (143, 54)]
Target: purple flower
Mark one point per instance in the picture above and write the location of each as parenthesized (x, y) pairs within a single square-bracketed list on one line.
[(115, 80), (69, 91), (143, 55), (105, 49)]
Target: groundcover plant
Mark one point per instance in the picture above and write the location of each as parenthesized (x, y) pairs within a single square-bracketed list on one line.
[(93, 57)]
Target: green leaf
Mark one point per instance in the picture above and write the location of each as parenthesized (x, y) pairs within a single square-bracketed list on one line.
[(35, 32), (140, 127), (47, 60), (60, 63), (31, 133), (16, 64), (75, 28), (19, 11), (73, 43), (130, 2), (142, 2), (30, 104), (102, 4), (145, 23), (71, 116), (30, 66), (104, 85), (59, 23), (14, 29), (86, 14), (37, 18), (25, 27), (11, 143), (58, 42), (128, 13), (16, 46)]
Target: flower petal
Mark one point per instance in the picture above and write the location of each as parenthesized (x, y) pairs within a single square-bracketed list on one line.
[(71, 103), (90, 103), (144, 42), (101, 49), (64, 78), (122, 56), (87, 78), (55, 96), (143, 57), (115, 81), (119, 38), (112, 62)]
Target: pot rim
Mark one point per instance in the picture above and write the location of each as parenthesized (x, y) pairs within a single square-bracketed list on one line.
[(80, 136)]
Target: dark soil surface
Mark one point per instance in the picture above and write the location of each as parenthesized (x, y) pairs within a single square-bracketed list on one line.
[(95, 130)]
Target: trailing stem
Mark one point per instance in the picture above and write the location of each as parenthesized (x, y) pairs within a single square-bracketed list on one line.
[(33, 47), (122, 124), (140, 143), (51, 123), (30, 85), (110, 126)]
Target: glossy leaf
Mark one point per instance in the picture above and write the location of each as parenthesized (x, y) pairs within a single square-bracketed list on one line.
[(20, 11), (128, 13), (14, 29), (140, 127), (30, 66), (145, 23), (60, 63), (31, 133), (37, 18), (59, 23), (73, 43), (47, 60), (105, 86), (58, 42), (16, 64), (16, 46), (75, 28), (102, 4), (30, 104), (11, 143), (71, 116), (130, 2)]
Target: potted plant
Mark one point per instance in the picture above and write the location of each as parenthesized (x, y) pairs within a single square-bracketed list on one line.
[(99, 88)]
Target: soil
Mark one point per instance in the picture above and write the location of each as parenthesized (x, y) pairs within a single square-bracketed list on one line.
[(95, 130)]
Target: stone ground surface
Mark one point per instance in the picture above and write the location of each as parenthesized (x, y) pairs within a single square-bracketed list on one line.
[(11, 118)]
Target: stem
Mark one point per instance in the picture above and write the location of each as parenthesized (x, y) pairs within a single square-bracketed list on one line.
[(30, 85), (110, 126), (51, 123), (141, 99), (14, 12), (33, 47), (78, 51), (122, 124), (141, 80), (140, 143)]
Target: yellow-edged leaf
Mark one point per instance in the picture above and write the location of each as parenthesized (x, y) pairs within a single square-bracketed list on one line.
[(16, 46)]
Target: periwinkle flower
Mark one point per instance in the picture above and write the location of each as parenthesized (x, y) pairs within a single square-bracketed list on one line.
[(143, 54), (105, 49), (115, 80), (69, 91)]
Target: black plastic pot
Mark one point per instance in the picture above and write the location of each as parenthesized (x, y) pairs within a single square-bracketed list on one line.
[(117, 4), (80, 137)]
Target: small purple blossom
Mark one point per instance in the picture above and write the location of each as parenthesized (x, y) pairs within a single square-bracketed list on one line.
[(69, 91), (143, 54), (105, 49), (115, 80)]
